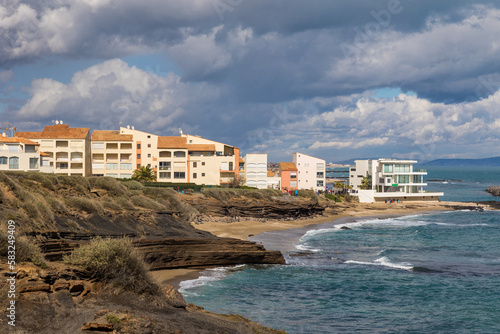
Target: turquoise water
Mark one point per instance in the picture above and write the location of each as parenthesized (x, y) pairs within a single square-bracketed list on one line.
[(430, 273)]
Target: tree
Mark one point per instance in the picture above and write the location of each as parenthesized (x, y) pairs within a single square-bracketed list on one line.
[(236, 182), (366, 183), (144, 174)]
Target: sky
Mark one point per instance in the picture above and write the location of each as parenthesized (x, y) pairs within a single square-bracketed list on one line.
[(334, 79)]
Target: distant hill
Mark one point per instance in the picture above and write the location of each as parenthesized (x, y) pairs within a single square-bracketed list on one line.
[(494, 161)]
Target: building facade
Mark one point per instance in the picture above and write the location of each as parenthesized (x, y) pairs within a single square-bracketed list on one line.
[(288, 174), (390, 179), (312, 172), (19, 154), (67, 149), (256, 170), (112, 154)]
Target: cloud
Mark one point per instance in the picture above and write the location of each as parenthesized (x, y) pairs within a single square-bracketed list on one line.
[(350, 144), (111, 92)]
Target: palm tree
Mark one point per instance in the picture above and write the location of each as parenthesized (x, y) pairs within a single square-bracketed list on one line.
[(144, 174), (366, 183)]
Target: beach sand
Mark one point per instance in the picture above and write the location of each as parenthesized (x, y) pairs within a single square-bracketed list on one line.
[(249, 228)]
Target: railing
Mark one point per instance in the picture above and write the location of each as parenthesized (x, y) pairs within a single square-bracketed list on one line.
[(417, 170)]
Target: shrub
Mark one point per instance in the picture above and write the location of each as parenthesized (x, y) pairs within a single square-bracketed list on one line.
[(78, 182), (26, 249), (111, 185), (84, 204), (43, 179), (146, 202), (56, 204), (125, 203), (114, 261), (109, 204), (133, 185)]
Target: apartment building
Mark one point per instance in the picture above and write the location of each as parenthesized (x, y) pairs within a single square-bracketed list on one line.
[(112, 154), (390, 179), (288, 173), (185, 158), (19, 154), (67, 149), (256, 170), (273, 179), (312, 172)]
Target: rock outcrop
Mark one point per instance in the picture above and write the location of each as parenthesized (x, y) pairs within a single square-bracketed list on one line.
[(494, 190)]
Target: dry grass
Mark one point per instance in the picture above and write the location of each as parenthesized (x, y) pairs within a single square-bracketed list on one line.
[(85, 204), (111, 185), (26, 249), (114, 261), (226, 194), (146, 202)]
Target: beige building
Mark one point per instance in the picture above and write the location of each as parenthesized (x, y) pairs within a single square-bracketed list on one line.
[(312, 172), (67, 149), (19, 154), (112, 154), (184, 158)]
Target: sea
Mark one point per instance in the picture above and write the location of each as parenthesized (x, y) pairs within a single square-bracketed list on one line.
[(425, 273)]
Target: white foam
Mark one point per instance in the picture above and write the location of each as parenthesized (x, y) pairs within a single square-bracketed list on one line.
[(303, 247), (384, 261), (207, 276)]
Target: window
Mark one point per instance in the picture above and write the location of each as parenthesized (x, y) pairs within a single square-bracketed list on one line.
[(402, 178), (149, 145), (203, 163), (231, 166), (293, 184), (149, 155), (165, 165), (293, 175), (195, 175), (3, 160), (125, 166), (165, 175), (319, 183), (112, 175), (13, 148), (14, 163), (179, 175), (138, 146), (138, 156), (63, 165), (320, 166), (179, 154), (111, 166), (125, 176), (195, 164), (402, 168), (202, 174), (149, 136), (33, 163), (149, 165), (97, 146), (190, 141), (29, 149), (387, 168), (320, 175)]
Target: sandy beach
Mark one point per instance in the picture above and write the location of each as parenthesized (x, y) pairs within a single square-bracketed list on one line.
[(249, 228)]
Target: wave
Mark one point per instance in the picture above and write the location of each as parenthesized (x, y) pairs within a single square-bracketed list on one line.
[(207, 276), (303, 247), (385, 262)]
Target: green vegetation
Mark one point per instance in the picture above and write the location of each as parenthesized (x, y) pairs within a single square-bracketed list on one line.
[(366, 183), (26, 250), (114, 261), (225, 194), (144, 174)]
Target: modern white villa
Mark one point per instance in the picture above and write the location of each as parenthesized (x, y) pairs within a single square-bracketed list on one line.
[(390, 179)]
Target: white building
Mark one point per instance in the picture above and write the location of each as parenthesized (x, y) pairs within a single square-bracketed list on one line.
[(19, 154), (390, 179), (273, 179), (112, 154), (312, 172), (256, 170)]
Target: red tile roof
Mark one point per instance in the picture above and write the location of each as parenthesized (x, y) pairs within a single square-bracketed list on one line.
[(172, 142), (288, 166), (110, 135), (57, 131), (201, 147), (43, 154), (271, 173), (17, 140)]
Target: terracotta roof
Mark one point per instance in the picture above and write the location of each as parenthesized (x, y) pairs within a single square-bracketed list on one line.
[(288, 166), (57, 131), (43, 154), (110, 135), (17, 140), (172, 142), (241, 160), (272, 173), (201, 147)]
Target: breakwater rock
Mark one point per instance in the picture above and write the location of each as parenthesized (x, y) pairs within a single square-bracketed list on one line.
[(494, 190)]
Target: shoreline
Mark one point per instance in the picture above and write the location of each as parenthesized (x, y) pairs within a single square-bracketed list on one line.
[(252, 229)]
